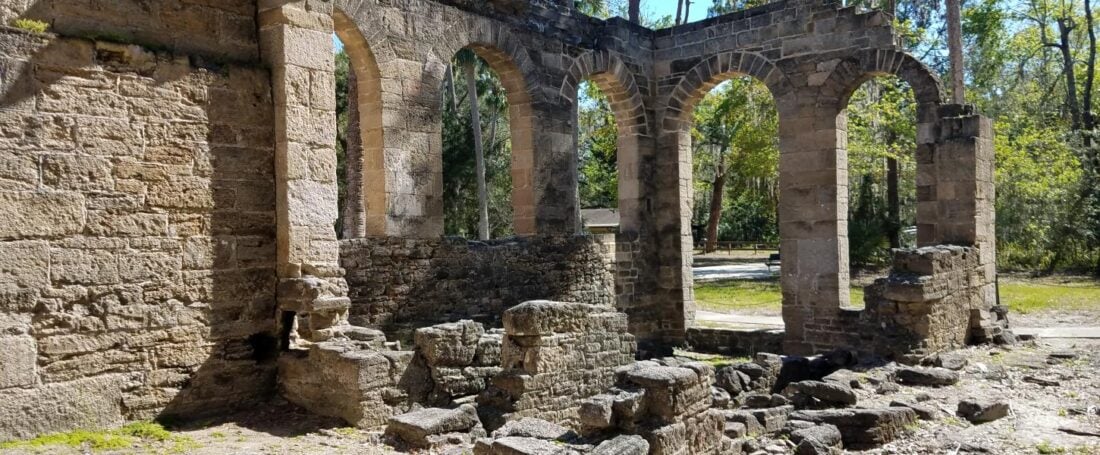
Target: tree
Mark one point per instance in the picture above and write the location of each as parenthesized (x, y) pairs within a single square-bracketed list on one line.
[(635, 11), (468, 60), (955, 50)]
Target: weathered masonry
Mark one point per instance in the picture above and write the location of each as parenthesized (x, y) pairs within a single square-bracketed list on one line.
[(168, 188)]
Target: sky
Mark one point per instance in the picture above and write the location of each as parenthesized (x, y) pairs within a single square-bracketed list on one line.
[(658, 8)]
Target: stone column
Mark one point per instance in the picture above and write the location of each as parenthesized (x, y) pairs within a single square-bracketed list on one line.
[(296, 42), (553, 178), (956, 192), (813, 220), (672, 305)]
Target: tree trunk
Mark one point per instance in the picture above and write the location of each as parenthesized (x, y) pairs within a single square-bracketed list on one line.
[(717, 190), (955, 50), (1065, 29), (479, 153), (1090, 75), (679, 9), (452, 97), (893, 204), (635, 11), (687, 10)]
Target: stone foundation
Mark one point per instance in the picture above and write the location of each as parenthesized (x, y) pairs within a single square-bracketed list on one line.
[(734, 342)]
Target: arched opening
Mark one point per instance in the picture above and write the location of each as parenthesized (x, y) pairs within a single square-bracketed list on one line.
[(486, 112), (361, 171), (880, 124), (734, 146), (597, 160)]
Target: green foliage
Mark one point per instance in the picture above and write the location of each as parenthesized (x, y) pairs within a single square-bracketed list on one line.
[(31, 25), (741, 295), (598, 143), (735, 137), (343, 69), (460, 203)]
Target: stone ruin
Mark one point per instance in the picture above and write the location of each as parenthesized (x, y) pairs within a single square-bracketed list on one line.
[(168, 192)]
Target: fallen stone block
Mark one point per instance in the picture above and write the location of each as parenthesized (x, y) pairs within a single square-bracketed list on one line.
[(926, 376), (844, 377), (981, 411), (950, 361), (515, 445), (923, 412), (862, 428), (752, 426), (529, 427), (764, 400), (823, 438), (817, 394), (622, 445), (453, 344), (416, 427), (732, 380), (773, 419)]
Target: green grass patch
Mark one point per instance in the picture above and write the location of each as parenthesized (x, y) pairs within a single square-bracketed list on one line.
[(1020, 296), (31, 25), (1027, 297), (745, 295), (715, 360), (116, 439)]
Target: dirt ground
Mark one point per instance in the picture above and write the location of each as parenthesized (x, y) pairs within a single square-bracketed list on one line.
[(1033, 427)]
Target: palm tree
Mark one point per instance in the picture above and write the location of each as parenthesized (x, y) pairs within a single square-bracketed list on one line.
[(468, 60), (955, 50)]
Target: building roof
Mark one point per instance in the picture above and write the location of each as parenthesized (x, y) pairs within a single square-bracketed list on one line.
[(605, 218)]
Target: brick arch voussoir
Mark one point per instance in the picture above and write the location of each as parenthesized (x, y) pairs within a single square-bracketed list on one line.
[(618, 83), (505, 55), (710, 71), (852, 72)]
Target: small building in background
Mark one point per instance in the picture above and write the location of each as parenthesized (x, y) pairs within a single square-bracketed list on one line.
[(600, 221)]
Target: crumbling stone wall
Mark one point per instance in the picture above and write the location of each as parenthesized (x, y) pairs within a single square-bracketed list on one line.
[(926, 304), (553, 356), (398, 284), (137, 235)]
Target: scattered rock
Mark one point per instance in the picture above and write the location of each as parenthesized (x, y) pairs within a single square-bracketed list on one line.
[(950, 361), (922, 397), (817, 440), (622, 445), (746, 419), (926, 376), (816, 394), (415, 428), (732, 380), (923, 412), (764, 400), (1041, 381), (530, 427), (862, 428), (719, 398), (981, 411), (773, 419), (1063, 355), (845, 377), (887, 388)]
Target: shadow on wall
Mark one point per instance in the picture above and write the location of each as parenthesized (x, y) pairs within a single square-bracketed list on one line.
[(145, 232)]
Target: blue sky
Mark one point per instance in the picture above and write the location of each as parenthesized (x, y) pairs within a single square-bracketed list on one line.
[(658, 8)]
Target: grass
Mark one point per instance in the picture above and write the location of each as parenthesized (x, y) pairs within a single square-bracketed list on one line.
[(1026, 297), (745, 295), (116, 439), (1020, 296), (714, 360), (31, 25)]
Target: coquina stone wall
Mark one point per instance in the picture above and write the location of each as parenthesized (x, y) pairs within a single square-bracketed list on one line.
[(136, 234), (401, 284)]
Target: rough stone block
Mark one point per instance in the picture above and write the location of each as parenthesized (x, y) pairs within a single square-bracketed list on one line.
[(24, 264), (18, 361), (40, 214)]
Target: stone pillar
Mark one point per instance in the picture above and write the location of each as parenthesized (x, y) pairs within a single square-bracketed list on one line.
[(553, 178), (296, 42), (955, 191), (672, 305), (813, 220)]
